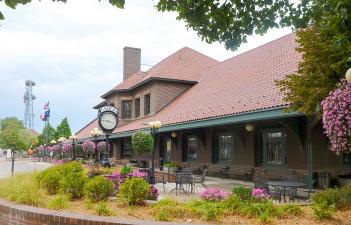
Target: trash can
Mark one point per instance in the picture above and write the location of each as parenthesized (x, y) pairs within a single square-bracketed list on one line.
[(324, 180)]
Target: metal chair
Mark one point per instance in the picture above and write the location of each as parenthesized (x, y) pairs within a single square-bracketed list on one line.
[(224, 172), (275, 192), (184, 181), (201, 179), (300, 194)]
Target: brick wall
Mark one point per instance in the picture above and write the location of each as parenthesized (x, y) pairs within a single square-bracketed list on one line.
[(15, 214)]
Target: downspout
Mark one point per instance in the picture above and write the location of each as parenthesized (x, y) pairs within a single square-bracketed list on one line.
[(311, 123)]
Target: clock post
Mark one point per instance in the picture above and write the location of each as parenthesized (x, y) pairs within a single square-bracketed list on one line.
[(108, 120)]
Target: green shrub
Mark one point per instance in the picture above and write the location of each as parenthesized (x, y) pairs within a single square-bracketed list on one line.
[(232, 203), (265, 218), (168, 209), (207, 210), (49, 180), (340, 197), (126, 169), (243, 193), (73, 179), (134, 191), (290, 209), (142, 142), (59, 202), (98, 189), (102, 209), (23, 188), (323, 210)]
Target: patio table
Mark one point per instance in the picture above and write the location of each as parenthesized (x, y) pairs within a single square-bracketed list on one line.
[(285, 184)]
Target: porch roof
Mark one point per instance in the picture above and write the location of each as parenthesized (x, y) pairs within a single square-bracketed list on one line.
[(275, 113)]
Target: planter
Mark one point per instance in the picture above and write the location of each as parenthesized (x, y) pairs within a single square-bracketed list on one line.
[(344, 180), (151, 202), (132, 164), (172, 169)]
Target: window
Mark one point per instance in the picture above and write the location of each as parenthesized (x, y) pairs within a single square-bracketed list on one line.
[(191, 147), (225, 146), (346, 158), (126, 147), (126, 109), (137, 107), (273, 141), (147, 104)]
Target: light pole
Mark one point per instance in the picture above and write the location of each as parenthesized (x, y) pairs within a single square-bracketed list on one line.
[(154, 126), (95, 133), (53, 142), (61, 140), (74, 138), (348, 75)]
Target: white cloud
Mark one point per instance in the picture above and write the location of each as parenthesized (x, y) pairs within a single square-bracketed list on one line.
[(74, 51)]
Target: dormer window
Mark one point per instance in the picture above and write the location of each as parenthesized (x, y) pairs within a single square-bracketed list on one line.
[(147, 102), (126, 109)]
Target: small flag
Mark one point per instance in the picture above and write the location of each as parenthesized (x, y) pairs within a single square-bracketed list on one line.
[(46, 115)]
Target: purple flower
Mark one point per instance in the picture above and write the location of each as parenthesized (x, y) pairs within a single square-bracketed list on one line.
[(337, 119), (260, 193), (88, 146), (136, 173), (214, 194), (66, 147), (56, 148), (101, 146)]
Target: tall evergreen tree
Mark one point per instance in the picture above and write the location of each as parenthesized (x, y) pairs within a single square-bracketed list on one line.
[(63, 130)]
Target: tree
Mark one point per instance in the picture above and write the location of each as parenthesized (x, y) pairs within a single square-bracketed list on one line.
[(229, 21), (51, 134), (14, 136), (11, 121), (326, 55), (13, 3), (63, 130)]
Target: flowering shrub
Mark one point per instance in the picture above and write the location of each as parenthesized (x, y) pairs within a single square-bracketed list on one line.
[(136, 173), (56, 148), (260, 194), (88, 146), (101, 146), (40, 149), (337, 118), (214, 194), (66, 147), (153, 195)]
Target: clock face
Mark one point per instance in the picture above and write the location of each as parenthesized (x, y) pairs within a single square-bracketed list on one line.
[(108, 121)]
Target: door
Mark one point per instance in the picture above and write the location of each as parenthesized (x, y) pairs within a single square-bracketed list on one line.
[(273, 149)]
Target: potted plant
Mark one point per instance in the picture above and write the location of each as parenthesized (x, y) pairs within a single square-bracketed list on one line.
[(172, 166), (344, 180), (133, 163)]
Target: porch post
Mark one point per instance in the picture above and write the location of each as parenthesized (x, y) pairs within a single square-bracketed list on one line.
[(311, 123)]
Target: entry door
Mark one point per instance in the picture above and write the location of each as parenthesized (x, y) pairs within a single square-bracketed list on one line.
[(273, 148)]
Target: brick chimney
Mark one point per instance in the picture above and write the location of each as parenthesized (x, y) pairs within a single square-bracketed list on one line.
[(131, 61)]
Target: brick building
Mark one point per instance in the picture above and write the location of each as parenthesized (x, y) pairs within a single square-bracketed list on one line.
[(220, 113)]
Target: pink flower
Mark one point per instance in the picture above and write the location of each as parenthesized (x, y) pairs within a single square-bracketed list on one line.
[(214, 194)]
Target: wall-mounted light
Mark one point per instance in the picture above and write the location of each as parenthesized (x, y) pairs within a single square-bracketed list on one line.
[(174, 134), (249, 127)]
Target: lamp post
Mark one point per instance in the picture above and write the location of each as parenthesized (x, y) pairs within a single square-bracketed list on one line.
[(95, 133), (61, 140), (348, 75), (74, 138), (52, 143), (154, 126)]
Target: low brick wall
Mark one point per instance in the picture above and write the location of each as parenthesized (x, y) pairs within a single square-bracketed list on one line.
[(16, 214)]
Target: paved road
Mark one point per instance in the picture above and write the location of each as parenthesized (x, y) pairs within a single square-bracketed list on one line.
[(20, 166)]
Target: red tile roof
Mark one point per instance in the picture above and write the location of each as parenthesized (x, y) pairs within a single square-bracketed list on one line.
[(240, 84)]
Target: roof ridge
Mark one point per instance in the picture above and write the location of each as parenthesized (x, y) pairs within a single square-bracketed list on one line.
[(260, 46)]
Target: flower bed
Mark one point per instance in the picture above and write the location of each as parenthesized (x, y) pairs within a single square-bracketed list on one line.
[(69, 181)]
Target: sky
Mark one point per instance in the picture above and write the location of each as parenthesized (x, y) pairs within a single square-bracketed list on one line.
[(73, 52)]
